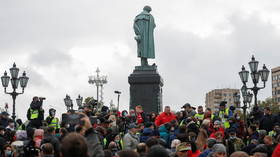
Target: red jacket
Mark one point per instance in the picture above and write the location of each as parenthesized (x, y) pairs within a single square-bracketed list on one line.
[(164, 118), (193, 154), (276, 152), (214, 132)]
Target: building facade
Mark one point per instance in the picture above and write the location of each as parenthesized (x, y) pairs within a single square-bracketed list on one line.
[(214, 97), (275, 76)]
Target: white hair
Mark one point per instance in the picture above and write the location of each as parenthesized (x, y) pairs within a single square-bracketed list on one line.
[(175, 143)]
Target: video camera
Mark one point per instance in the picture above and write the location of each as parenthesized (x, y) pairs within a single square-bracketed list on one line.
[(42, 98), (36, 98), (37, 102)]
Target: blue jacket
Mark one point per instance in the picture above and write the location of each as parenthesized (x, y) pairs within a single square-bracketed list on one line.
[(147, 133), (164, 134), (205, 153)]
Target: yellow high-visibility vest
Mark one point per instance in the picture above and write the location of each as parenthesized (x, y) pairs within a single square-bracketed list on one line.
[(272, 133), (54, 123), (122, 145), (34, 114), (224, 120), (221, 113), (19, 127), (199, 116), (182, 122), (104, 142), (226, 124)]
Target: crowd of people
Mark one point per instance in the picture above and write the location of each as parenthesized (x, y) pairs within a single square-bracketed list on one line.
[(191, 132)]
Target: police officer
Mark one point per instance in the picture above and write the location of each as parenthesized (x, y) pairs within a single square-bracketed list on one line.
[(35, 113), (52, 120), (200, 115), (224, 114), (20, 125)]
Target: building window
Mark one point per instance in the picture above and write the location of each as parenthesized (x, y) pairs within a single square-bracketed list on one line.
[(278, 99), (274, 85), (278, 91), (225, 94)]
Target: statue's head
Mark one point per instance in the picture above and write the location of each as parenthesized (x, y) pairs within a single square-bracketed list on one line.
[(147, 8)]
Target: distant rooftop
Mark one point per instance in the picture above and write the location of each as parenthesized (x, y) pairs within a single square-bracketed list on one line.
[(276, 69)]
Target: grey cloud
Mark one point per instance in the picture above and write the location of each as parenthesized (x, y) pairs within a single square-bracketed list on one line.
[(50, 57), (36, 80), (252, 35), (192, 66), (66, 23)]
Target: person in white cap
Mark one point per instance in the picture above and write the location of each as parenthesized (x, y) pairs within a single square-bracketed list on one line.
[(131, 140)]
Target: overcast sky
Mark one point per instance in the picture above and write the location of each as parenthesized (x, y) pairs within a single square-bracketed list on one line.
[(200, 45)]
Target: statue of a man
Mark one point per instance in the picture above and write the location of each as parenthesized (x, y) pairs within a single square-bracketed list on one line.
[(144, 29)]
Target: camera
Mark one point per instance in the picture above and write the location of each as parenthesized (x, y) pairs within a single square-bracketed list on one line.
[(42, 98)]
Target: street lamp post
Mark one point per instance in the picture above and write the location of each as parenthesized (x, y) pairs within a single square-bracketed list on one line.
[(255, 75), (99, 81), (79, 101), (68, 103), (247, 98), (15, 81), (119, 93)]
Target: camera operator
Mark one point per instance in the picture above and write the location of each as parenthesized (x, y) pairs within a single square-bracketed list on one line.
[(35, 113), (88, 110)]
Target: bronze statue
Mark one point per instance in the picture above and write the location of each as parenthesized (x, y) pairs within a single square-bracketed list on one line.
[(144, 29)]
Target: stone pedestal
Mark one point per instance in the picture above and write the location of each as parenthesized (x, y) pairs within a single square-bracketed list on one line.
[(146, 89)]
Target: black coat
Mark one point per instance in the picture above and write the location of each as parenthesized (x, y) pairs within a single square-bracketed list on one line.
[(249, 148), (267, 122), (54, 141), (4, 122), (2, 143)]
